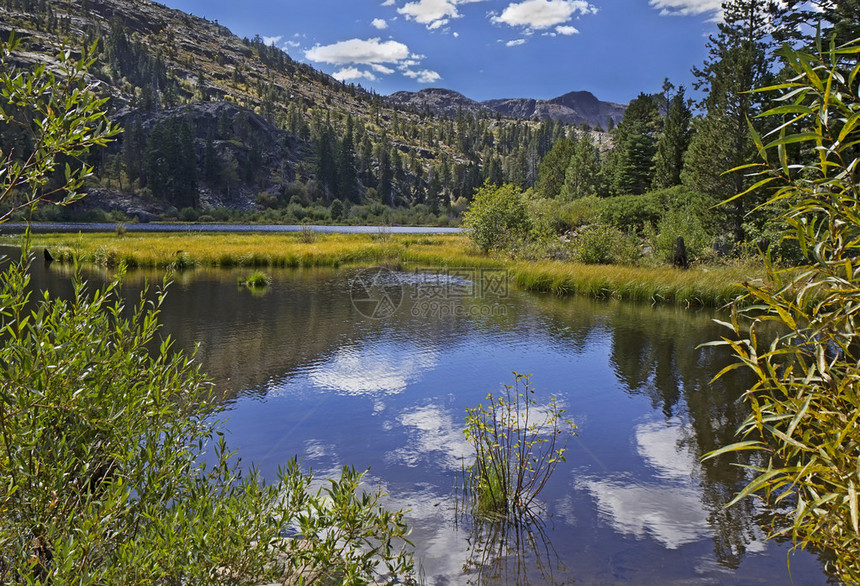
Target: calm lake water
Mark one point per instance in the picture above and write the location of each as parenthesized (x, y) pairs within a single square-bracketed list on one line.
[(371, 368)]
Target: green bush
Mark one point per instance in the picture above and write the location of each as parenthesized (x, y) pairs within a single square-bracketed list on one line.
[(497, 217), (598, 244), (630, 213), (684, 223)]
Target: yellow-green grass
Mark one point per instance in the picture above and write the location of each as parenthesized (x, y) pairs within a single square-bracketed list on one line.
[(698, 286)]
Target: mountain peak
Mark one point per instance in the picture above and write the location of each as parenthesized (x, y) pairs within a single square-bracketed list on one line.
[(574, 107)]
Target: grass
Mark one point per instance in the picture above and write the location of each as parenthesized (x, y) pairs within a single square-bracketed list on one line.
[(699, 286), (257, 280)]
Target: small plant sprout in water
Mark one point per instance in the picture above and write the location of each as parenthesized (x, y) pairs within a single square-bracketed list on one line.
[(518, 444), (257, 280)]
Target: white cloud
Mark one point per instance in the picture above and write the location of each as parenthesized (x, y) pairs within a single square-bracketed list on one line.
[(433, 13), (388, 3), (423, 76), (566, 30), (542, 14), (381, 69), (686, 7), (515, 43), (379, 23), (456, 35), (357, 51), (272, 40), (352, 73), (437, 24), (291, 44)]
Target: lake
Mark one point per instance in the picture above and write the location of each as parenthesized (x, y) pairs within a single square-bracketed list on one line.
[(372, 368)]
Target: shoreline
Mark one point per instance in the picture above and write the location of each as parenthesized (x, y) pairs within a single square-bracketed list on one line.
[(712, 286)]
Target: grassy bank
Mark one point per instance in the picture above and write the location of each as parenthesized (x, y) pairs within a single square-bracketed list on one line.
[(698, 286)]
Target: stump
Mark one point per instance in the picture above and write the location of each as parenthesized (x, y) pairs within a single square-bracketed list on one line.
[(679, 260)]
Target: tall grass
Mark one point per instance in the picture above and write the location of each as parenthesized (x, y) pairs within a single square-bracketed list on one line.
[(700, 286)]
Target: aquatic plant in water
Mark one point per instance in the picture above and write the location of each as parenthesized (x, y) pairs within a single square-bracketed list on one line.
[(518, 444)]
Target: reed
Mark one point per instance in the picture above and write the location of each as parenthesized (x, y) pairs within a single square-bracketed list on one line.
[(699, 286)]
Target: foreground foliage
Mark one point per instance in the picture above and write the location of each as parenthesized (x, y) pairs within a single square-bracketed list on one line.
[(104, 429), (102, 477), (518, 444), (806, 400), (50, 119)]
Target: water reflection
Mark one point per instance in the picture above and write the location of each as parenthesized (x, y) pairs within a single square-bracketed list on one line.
[(304, 373), (668, 508)]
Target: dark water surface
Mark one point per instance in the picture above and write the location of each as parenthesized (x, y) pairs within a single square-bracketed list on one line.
[(376, 369)]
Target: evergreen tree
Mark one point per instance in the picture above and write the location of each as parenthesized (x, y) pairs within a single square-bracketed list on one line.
[(673, 142), (737, 63), (583, 174), (326, 163), (636, 145), (347, 177), (553, 167)]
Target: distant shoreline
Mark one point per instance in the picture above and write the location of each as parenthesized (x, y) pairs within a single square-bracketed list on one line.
[(65, 227)]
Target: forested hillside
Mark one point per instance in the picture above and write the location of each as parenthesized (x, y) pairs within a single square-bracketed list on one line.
[(215, 124), (217, 127)]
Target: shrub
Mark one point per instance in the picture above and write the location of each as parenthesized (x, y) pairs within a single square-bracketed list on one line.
[(684, 223), (100, 463), (598, 244), (518, 444), (804, 403), (497, 216)]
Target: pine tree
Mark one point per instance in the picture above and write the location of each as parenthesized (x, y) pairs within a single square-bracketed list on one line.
[(347, 177), (673, 142), (582, 177), (636, 145), (737, 63), (553, 167)]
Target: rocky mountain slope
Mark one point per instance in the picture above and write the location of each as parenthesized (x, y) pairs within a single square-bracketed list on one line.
[(215, 121), (572, 108)]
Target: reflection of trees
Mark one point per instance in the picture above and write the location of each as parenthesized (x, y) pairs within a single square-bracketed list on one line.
[(511, 551), (656, 352)]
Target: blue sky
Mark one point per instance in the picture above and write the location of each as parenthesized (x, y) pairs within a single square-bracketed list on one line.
[(483, 48)]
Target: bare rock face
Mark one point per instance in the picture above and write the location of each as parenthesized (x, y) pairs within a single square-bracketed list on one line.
[(571, 108)]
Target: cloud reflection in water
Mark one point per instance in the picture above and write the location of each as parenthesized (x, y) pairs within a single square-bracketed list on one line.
[(671, 510), (372, 369)]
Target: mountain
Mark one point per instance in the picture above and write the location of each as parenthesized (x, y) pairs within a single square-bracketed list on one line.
[(572, 108), (213, 121), (438, 101)]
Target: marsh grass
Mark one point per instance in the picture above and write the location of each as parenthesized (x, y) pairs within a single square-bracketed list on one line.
[(700, 286), (256, 280)]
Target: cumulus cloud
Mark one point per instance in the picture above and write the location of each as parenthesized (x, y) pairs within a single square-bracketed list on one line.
[(355, 56), (542, 14), (423, 76), (352, 73), (515, 43), (379, 23), (433, 13), (388, 3), (566, 30), (687, 7), (272, 40), (358, 51)]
